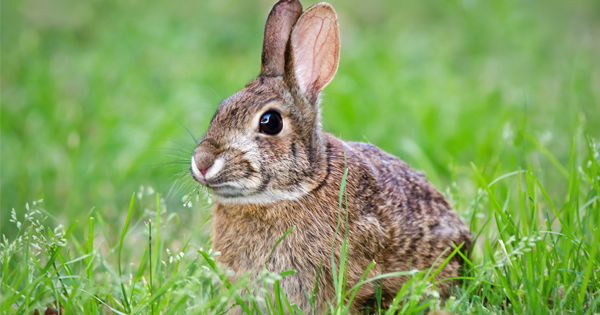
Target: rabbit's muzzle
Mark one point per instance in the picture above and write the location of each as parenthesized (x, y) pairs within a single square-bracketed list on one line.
[(203, 161), (226, 170)]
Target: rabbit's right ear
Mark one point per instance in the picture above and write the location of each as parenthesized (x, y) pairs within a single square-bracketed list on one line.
[(279, 25)]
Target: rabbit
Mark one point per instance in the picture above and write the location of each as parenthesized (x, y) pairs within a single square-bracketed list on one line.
[(270, 167)]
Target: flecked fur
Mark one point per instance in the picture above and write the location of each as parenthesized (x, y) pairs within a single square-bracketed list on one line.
[(268, 184)]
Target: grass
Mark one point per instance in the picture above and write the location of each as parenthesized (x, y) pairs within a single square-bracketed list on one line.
[(496, 101), (531, 257)]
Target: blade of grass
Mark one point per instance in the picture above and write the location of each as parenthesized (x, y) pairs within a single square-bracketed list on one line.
[(150, 257), (102, 302), (277, 243), (314, 293), (126, 302), (591, 261), (362, 278), (157, 239), (223, 278), (297, 309), (166, 308), (278, 304), (166, 287), (456, 249), (551, 157), (342, 188), (90, 249)]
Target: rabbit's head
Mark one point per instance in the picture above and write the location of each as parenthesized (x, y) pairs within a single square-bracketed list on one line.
[(264, 143)]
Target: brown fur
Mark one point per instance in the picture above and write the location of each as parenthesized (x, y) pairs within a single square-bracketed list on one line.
[(268, 184)]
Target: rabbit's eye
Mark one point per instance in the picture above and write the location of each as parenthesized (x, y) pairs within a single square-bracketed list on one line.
[(271, 123)]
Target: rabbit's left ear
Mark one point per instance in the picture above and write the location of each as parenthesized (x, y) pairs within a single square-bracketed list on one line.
[(314, 50), (281, 19)]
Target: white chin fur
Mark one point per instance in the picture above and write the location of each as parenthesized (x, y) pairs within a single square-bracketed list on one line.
[(267, 197)]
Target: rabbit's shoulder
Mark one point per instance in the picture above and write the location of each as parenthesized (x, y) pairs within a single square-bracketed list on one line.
[(394, 177)]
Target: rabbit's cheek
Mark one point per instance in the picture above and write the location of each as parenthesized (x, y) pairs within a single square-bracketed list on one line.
[(233, 174), (242, 143)]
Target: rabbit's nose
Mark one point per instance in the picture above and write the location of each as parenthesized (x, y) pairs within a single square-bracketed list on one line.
[(201, 162), (203, 171)]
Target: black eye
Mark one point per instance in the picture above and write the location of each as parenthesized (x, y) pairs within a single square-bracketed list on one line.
[(271, 123)]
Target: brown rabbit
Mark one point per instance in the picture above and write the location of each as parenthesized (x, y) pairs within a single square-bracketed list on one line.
[(270, 167)]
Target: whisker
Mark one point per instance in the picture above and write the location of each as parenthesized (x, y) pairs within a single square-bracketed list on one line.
[(175, 156), (182, 126), (219, 97), (170, 163), (179, 175), (184, 182), (186, 152), (173, 179), (174, 160), (169, 194), (180, 143)]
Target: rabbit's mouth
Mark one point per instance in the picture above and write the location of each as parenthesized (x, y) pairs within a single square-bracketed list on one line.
[(227, 189)]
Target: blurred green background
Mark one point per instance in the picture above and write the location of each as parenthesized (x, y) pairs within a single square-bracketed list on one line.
[(96, 95)]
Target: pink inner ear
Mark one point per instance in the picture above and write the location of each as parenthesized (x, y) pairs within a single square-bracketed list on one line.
[(315, 44)]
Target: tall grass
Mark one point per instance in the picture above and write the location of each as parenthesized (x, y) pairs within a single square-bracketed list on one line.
[(533, 254)]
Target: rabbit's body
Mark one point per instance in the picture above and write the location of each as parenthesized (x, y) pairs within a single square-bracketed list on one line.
[(401, 223), (270, 167)]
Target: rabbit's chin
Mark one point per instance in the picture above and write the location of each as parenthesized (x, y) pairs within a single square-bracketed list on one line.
[(264, 197)]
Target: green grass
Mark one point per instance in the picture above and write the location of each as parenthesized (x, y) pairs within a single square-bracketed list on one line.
[(497, 101)]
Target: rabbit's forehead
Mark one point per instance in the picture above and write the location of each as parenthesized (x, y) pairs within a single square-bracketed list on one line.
[(241, 107)]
